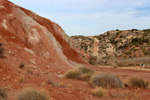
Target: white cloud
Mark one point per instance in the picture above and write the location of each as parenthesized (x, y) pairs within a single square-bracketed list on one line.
[(88, 17), (98, 23)]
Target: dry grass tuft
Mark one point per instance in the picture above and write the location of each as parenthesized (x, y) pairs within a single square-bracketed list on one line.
[(85, 70), (128, 95), (72, 74), (86, 77), (106, 81), (21, 78), (32, 94), (81, 73), (99, 92), (138, 82)]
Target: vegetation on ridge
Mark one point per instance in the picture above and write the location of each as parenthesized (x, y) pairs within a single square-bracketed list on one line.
[(120, 44)]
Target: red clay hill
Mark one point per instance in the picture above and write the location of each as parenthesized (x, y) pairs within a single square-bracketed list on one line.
[(32, 44), (33, 40)]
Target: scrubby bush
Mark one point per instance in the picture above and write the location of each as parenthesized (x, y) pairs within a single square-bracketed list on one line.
[(85, 70), (140, 41), (99, 92), (138, 82), (145, 51), (128, 52), (81, 73), (146, 32), (92, 60), (117, 29), (118, 33), (113, 41), (32, 94), (86, 77), (106, 81), (3, 94), (73, 74), (134, 30), (86, 73)]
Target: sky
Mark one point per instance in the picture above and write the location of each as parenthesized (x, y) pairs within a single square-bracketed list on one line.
[(92, 17)]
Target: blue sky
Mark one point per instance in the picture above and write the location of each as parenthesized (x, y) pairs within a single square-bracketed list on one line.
[(92, 17)]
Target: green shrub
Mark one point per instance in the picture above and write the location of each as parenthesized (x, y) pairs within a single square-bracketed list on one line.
[(81, 73), (92, 60), (145, 51), (118, 33), (146, 32), (134, 30), (113, 41), (117, 29), (3, 94), (106, 81), (32, 94), (128, 52), (138, 82), (98, 92), (140, 41)]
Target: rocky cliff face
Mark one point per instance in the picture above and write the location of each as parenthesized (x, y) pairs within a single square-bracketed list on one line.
[(117, 44), (32, 40)]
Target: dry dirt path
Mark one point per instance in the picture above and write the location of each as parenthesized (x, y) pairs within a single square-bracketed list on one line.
[(95, 46), (124, 73)]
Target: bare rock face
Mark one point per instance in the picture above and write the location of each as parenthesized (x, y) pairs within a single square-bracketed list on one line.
[(35, 41), (116, 44)]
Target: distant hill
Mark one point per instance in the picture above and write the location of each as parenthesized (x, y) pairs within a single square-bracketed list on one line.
[(118, 44)]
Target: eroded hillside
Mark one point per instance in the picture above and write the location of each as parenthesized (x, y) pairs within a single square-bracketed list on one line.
[(119, 44), (32, 40)]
